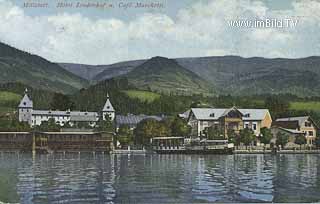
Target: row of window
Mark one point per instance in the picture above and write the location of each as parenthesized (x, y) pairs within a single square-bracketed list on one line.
[(246, 125)]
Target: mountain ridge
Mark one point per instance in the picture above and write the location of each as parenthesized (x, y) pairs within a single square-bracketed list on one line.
[(230, 74), (19, 66)]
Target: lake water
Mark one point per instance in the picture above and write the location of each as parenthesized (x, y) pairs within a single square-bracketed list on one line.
[(89, 178)]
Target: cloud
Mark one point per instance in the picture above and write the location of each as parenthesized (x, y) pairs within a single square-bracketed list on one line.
[(199, 30)]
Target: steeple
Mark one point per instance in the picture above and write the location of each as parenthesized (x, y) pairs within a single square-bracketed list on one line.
[(108, 106), (108, 110), (26, 102)]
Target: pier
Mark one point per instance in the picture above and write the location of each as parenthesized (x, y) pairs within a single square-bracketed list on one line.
[(48, 142)]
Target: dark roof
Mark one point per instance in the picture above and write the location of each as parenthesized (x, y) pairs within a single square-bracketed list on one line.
[(133, 120), (294, 124)]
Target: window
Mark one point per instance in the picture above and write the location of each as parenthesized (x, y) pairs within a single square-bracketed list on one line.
[(212, 115), (254, 126), (247, 115), (307, 124), (310, 133)]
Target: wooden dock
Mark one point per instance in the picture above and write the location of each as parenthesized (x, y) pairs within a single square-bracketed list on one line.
[(46, 142)]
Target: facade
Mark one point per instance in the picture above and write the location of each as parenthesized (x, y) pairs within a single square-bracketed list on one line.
[(224, 119), (305, 125), (36, 117)]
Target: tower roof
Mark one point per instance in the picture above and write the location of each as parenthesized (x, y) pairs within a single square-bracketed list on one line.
[(26, 102), (108, 106)]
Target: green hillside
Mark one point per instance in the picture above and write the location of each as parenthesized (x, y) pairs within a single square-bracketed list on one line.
[(19, 66), (306, 105), (8, 102), (9, 98), (142, 95), (167, 76)]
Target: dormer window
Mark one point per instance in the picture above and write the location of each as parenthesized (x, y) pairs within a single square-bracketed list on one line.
[(247, 115), (212, 115)]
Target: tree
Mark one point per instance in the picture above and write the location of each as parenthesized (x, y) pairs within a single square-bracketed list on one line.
[(179, 127), (125, 135), (105, 125), (318, 139), (246, 136), (67, 125), (150, 128), (277, 105), (82, 125), (233, 137), (49, 126), (300, 140), (13, 125), (214, 133), (61, 102), (266, 135), (317, 142), (282, 139)]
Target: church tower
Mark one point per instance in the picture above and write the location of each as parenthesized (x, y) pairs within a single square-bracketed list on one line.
[(25, 109), (108, 110)]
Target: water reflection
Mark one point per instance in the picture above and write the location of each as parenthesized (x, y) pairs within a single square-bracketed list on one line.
[(98, 178)]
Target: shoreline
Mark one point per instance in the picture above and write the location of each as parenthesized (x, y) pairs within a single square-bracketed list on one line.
[(278, 152)]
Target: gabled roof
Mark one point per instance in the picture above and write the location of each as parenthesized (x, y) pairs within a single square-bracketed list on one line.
[(26, 102), (108, 106), (184, 115), (216, 113), (227, 111)]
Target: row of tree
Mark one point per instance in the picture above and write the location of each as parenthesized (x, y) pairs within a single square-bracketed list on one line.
[(149, 128)]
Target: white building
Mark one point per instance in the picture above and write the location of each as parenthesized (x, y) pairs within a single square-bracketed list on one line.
[(36, 117)]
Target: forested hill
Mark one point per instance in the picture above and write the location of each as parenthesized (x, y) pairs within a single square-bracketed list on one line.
[(240, 76), (167, 76), (19, 66)]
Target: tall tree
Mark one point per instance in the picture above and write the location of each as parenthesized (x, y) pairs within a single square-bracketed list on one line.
[(180, 127), (266, 135), (125, 135), (282, 139), (233, 137), (246, 136), (61, 102), (277, 105), (148, 129), (318, 138)]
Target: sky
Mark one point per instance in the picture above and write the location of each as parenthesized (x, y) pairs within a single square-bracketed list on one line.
[(182, 28)]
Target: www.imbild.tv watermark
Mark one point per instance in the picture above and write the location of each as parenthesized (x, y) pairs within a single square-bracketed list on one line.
[(264, 23)]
